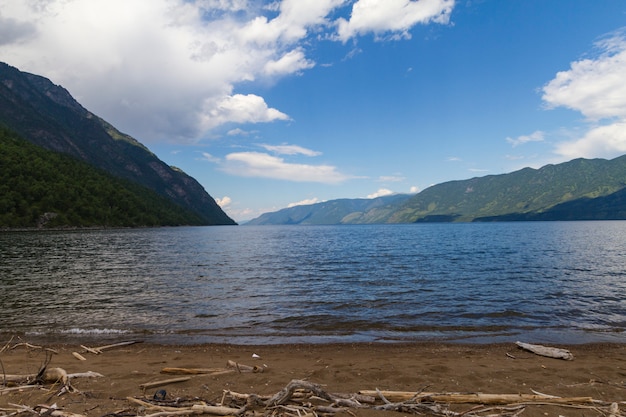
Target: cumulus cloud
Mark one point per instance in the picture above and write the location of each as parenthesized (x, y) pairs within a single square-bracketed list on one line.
[(595, 87), (414, 189), (258, 164), (380, 193), (170, 69), (305, 202), (598, 142), (392, 16), (224, 201), (240, 108), (536, 136)]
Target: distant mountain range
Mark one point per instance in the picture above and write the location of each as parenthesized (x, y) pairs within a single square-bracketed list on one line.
[(47, 115), (582, 189)]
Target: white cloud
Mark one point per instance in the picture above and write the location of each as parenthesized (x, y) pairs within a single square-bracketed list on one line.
[(224, 201), (599, 142), (392, 16), (257, 164), (169, 69), (240, 108), (454, 159), (380, 193), (290, 63), (414, 189), (290, 150), (536, 136), (595, 87), (305, 202)]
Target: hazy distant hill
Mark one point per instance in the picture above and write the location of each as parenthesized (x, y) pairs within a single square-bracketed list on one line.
[(331, 212), (46, 115), (582, 189)]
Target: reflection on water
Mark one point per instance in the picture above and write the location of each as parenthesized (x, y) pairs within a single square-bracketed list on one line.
[(559, 281)]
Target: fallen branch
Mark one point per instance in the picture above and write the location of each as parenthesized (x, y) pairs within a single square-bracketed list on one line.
[(550, 352), (98, 350), (154, 384)]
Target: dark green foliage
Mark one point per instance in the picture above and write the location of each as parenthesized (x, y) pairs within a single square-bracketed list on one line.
[(48, 116), (582, 189), (41, 188), (524, 191)]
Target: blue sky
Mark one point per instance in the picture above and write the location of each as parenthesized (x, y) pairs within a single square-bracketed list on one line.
[(275, 103)]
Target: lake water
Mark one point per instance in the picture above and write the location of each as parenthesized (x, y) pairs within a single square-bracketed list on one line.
[(557, 282)]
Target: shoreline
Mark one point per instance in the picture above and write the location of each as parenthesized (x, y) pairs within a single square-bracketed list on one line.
[(598, 371)]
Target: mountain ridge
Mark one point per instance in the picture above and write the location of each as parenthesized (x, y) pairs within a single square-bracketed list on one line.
[(48, 116), (580, 189)]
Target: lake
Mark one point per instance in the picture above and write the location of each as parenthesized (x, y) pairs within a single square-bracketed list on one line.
[(544, 282)]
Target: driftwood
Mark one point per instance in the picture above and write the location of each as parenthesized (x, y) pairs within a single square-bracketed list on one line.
[(196, 371), (98, 350), (550, 352), (155, 384), (231, 366), (45, 410), (217, 410), (475, 398), (244, 368)]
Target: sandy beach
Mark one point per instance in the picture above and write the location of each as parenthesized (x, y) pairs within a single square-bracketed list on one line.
[(597, 371)]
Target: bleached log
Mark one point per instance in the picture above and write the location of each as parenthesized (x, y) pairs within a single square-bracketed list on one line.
[(217, 410), (550, 352), (88, 374), (244, 368), (78, 356), (475, 398)]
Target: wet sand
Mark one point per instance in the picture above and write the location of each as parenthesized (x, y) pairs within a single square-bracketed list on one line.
[(597, 371)]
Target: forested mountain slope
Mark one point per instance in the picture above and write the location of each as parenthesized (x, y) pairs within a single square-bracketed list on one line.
[(46, 115)]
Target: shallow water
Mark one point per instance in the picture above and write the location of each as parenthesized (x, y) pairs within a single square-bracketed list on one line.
[(544, 282)]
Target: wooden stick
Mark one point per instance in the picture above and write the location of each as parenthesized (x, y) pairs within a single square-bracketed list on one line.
[(195, 371), (99, 349), (164, 382), (20, 388), (78, 356)]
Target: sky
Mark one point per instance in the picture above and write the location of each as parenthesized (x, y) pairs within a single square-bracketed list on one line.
[(270, 104)]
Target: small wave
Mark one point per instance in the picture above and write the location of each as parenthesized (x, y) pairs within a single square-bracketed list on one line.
[(79, 331)]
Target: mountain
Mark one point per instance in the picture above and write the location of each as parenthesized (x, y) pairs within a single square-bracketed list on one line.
[(329, 212), (48, 116), (581, 189), (41, 188)]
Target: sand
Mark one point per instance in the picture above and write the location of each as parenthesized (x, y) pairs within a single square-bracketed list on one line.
[(597, 371)]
